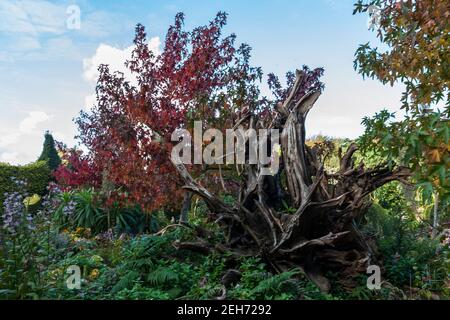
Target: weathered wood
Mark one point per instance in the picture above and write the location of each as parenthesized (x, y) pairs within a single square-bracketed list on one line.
[(320, 235)]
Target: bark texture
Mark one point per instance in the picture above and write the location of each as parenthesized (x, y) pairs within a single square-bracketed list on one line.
[(320, 234)]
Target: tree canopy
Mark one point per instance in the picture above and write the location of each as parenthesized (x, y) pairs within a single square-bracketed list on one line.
[(129, 130), (417, 36)]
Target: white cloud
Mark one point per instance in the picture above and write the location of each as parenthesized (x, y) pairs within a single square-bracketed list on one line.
[(100, 24), (4, 57), (338, 121), (89, 101), (29, 124), (20, 143), (24, 24), (65, 137), (57, 47), (13, 18), (115, 58), (9, 157), (9, 139), (106, 54), (27, 43), (32, 17)]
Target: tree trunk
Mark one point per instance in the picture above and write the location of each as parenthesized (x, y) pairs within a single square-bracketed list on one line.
[(320, 235), (186, 207), (434, 232)]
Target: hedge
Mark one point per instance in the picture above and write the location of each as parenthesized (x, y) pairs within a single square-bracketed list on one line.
[(36, 174)]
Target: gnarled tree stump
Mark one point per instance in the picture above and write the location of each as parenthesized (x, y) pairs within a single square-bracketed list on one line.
[(321, 235)]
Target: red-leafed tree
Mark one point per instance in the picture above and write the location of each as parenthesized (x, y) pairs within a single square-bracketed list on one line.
[(301, 216), (76, 170), (198, 76)]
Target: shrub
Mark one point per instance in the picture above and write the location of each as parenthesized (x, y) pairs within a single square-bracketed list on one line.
[(410, 257), (77, 170), (24, 247), (85, 208), (49, 153), (87, 211), (37, 176)]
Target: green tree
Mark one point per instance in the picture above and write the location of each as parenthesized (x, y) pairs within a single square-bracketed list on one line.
[(417, 54), (49, 152), (417, 37)]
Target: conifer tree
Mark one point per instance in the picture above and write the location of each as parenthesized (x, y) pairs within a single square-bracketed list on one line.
[(49, 152)]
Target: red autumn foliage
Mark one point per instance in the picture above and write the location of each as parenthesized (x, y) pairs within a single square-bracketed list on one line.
[(76, 170), (198, 75)]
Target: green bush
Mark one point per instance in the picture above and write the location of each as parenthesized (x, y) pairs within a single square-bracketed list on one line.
[(84, 208), (37, 176), (24, 247), (49, 152), (150, 267), (410, 257)]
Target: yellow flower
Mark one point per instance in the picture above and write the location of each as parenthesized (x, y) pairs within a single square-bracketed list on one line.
[(94, 274)]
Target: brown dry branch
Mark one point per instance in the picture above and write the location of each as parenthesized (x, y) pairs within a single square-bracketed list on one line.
[(321, 235)]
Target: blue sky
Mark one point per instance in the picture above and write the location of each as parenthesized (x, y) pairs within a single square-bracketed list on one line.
[(47, 71)]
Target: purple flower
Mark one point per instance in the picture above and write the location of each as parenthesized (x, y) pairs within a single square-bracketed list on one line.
[(69, 208), (14, 210), (14, 214)]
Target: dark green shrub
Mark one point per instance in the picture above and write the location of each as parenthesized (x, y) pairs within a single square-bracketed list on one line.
[(87, 212), (37, 176), (85, 208), (49, 153), (130, 220)]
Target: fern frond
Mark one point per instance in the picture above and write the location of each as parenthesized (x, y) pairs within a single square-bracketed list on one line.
[(276, 283), (161, 276), (126, 282)]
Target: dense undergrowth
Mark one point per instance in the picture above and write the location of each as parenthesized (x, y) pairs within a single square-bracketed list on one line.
[(118, 260), (124, 252)]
